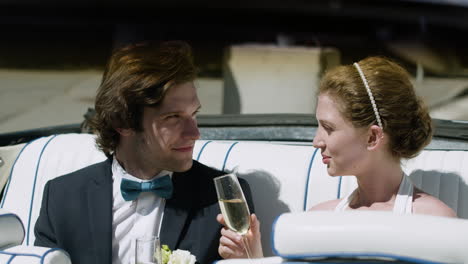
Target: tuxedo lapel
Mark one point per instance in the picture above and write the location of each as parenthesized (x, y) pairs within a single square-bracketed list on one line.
[(99, 199), (178, 209)]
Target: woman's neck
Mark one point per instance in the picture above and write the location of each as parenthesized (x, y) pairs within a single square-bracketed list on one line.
[(378, 184)]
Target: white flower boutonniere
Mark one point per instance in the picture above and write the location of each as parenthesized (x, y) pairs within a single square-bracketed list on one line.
[(177, 256)]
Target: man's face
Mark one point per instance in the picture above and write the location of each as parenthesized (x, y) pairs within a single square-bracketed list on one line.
[(170, 130)]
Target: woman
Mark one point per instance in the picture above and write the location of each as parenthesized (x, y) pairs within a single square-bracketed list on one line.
[(369, 120)]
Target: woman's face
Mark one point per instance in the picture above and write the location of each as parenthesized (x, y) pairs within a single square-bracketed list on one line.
[(343, 146)]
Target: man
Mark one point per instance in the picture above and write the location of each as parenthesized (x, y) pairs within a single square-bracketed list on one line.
[(145, 122)]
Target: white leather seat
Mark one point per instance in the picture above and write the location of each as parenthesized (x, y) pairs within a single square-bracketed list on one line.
[(12, 230), (40, 161), (365, 234), (292, 178), (11, 250), (34, 255), (284, 177)]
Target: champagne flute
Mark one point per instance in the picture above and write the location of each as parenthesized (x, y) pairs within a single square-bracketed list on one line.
[(148, 250), (233, 206)]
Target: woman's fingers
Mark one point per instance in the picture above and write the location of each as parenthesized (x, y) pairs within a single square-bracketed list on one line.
[(255, 237), (231, 235), (225, 252), (254, 224), (230, 246), (228, 239), (220, 219)]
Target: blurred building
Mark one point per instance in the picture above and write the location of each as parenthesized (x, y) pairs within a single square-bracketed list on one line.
[(253, 58)]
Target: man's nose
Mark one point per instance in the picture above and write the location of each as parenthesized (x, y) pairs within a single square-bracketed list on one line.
[(191, 129)]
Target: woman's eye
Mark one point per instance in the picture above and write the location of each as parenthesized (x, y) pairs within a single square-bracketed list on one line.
[(328, 129)]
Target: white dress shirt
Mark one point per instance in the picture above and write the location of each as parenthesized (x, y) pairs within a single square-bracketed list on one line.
[(131, 219)]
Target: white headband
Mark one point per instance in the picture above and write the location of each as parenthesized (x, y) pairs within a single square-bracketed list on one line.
[(374, 106)]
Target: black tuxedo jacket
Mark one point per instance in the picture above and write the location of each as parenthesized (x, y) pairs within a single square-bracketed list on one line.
[(76, 214)]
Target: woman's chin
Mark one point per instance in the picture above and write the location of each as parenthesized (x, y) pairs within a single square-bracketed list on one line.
[(332, 172)]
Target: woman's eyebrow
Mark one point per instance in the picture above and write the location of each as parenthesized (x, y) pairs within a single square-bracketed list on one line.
[(327, 123)]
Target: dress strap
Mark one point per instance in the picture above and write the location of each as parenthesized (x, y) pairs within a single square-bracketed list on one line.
[(344, 203), (404, 198)]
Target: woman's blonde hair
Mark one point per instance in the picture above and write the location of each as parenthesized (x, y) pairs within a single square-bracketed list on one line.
[(405, 118)]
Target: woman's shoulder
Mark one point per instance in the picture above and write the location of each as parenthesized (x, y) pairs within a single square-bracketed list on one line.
[(325, 206), (424, 203)]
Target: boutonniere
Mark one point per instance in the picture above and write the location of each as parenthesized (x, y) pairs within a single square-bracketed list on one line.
[(177, 256)]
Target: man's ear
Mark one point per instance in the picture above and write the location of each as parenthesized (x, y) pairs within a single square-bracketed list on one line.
[(125, 132), (375, 137)]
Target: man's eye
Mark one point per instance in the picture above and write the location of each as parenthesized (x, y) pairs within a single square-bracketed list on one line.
[(172, 116)]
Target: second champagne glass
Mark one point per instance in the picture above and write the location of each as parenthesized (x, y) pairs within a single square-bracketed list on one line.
[(148, 250), (233, 205)]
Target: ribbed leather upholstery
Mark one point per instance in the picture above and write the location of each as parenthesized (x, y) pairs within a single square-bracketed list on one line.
[(11, 230), (283, 177), (41, 160), (443, 174), (34, 255), (289, 178), (277, 175)]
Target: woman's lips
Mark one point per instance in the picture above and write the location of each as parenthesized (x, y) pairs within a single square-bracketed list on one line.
[(326, 159)]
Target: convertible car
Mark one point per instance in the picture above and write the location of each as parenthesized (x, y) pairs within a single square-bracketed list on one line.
[(253, 56), (274, 154)]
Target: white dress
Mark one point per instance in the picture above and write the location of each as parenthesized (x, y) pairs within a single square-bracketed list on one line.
[(403, 201)]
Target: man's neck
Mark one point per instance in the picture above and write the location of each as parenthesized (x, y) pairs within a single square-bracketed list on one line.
[(136, 166)]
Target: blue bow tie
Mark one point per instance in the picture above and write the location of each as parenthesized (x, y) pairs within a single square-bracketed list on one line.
[(162, 186)]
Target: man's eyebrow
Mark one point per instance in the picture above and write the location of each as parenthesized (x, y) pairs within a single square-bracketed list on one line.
[(171, 112), (198, 108)]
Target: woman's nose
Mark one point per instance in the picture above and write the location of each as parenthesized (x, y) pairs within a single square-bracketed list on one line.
[(318, 142)]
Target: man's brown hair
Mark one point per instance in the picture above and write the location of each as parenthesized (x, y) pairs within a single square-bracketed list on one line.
[(137, 76)]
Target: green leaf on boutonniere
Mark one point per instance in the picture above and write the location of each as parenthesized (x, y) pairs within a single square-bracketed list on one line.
[(165, 253)]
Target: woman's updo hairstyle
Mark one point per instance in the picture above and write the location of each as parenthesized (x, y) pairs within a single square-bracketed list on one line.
[(405, 118)]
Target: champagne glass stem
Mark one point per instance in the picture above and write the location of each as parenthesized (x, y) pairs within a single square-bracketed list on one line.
[(246, 247)]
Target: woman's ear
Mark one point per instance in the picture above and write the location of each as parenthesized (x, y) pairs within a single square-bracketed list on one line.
[(375, 137)]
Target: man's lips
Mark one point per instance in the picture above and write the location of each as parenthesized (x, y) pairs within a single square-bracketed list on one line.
[(184, 149), (326, 159)]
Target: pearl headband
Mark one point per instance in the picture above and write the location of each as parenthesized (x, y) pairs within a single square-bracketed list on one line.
[(374, 106)]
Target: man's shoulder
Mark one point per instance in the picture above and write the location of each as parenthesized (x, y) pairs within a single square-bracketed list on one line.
[(209, 172), (204, 171), (83, 174)]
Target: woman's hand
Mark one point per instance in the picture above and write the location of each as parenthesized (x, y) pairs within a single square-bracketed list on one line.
[(231, 244)]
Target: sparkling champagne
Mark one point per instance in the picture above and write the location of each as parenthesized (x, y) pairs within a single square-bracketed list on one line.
[(236, 214)]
